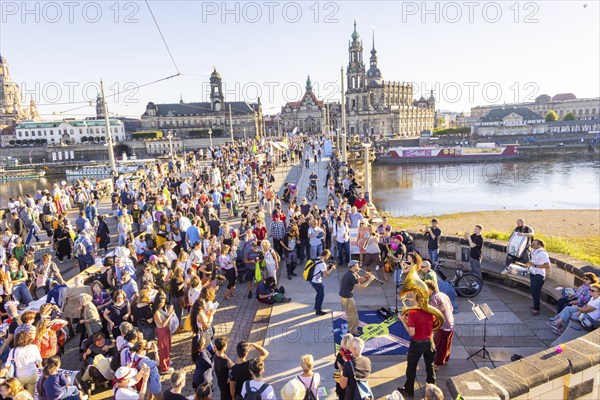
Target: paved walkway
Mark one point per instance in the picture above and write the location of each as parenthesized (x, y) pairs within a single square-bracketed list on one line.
[(290, 330), (234, 319), (294, 330)]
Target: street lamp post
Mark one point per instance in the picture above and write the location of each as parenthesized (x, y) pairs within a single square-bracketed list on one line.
[(367, 145), (111, 154), (170, 137), (210, 136), (245, 134)]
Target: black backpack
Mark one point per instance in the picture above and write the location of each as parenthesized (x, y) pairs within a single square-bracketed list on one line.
[(115, 361), (251, 394), (309, 395)]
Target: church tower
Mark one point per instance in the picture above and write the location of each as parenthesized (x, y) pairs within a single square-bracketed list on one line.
[(355, 73), (217, 99), (373, 74), (33, 111)]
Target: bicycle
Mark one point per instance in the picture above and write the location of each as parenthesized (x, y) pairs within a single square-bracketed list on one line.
[(467, 284), (311, 192)]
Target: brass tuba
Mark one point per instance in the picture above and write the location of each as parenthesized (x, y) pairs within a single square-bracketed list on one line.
[(414, 286)]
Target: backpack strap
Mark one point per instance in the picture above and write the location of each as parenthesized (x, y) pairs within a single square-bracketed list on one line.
[(262, 388), (309, 387)]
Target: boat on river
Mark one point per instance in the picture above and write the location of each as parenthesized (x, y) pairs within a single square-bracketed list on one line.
[(20, 174), (101, 170), (482, 152)]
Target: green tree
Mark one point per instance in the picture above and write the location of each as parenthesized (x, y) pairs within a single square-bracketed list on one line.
[(551, 116), (11, 142), (569, 117)]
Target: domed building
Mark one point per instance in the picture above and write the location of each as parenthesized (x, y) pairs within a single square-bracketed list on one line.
[(562, 104), (194, 119)]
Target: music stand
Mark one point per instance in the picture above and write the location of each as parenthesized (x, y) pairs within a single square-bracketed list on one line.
[(482, 312)]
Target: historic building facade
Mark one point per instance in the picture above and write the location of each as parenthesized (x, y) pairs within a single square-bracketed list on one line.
[(11, 111), (187, 118), (510, 121), (562, 103), (381, 107), (306, 115), (67, 132)]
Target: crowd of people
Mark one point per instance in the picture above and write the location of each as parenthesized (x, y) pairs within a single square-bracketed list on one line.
[(177, 233)]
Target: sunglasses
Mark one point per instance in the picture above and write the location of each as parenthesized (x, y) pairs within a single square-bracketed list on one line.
[(595, 291)]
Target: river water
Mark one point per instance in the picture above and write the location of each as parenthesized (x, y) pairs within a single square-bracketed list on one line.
[(430, 189)]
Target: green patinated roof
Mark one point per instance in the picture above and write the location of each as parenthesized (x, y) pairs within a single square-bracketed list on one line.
[(74, 123)]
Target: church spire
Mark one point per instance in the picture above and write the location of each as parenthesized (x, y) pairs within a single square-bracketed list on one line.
[(355, 34), (308, 84), (373, 50)]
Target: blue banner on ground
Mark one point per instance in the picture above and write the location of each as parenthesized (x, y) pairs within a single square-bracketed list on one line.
[(382, 337)]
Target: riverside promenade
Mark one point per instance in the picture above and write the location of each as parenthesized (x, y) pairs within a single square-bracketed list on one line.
[(290, 330)]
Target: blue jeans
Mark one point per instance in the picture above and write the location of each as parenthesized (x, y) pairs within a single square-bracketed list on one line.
[(22, 294), (320, 289), (398, 276), (33, 232), (316, 251), (343, 248), (434, 256), (566, 313), (217, 207)]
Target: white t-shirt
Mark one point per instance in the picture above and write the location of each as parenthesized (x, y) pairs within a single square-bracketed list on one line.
[(126, 394), (268, 394), (538, 257), (320, 268), (25, 358), (340, 232), (596, 304), (184, 189)]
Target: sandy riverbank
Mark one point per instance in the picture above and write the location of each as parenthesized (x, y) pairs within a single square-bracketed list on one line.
[(572, 232)]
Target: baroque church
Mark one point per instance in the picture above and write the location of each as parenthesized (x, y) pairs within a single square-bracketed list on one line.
[(189, 119), (11, 111), (376, 106)]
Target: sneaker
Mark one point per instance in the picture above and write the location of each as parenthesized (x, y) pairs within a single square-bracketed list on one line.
[(290, 277), (287, 300), (557, 331), (552, 324), (294, 274), (505, 271), (535, 312), (321, 313), (250, 294), (555, 318)]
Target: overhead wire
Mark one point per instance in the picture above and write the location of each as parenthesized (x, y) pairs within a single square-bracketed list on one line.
[(162, 37)]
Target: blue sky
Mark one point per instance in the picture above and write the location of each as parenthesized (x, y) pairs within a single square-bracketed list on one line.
[(470, 53)]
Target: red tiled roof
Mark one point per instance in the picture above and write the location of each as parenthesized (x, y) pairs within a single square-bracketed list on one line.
[(294, 105), (564, 96)]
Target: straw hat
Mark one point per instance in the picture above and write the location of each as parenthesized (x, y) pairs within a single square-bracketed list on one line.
[(293, 390)]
